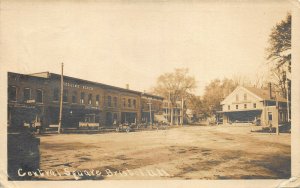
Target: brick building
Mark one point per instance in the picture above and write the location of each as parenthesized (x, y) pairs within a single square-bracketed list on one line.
[(36, 97)]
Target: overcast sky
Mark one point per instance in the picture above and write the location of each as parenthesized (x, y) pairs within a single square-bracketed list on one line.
[(134, 43)]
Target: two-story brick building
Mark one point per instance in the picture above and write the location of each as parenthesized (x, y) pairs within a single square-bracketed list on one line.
[(36, 97), (248, 104)]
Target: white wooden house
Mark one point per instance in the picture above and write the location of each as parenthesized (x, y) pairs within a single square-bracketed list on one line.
[(249, 104)]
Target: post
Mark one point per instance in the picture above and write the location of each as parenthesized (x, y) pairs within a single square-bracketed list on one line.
[(181, 111), (287, 100), (277, 112), (150, 113), (61, 97)]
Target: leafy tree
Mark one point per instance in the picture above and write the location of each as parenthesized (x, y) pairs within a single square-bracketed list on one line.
[(279, 54), (175, 86), (215, 92), (279, 50)]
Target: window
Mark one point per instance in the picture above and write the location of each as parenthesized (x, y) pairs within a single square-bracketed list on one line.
[(115, 102), (39, 96), (12, 93), (270, 116), (254, 105), (245, 96), (228, 107), (27, 94), (237, 97), (82, 95), (129, 103), (109, 101), (124, 102), (74, 97), (236, 106), (90, 99), (134, 103), (97, 99), (55, 94), (245, 106), (65, 96)]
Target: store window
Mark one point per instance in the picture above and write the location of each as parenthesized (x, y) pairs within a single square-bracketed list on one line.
[(74, 97), (97, 99), (65, 96), (90, 98), (55, 94), (39, 96), (82, 95), (129, 103), (27, 94), (134, 103), (115, 102), (109, 101), (12, 93), (124, 102)]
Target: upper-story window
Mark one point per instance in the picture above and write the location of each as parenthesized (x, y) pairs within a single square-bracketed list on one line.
[(82, 96), (237, 97), (55, 94), (27, 94), (245, 96), (39, 96), (129, 103), (109, 101), (134, 103), (74, 97), (12, 93), (254, 105), (228, 107), (236, 106), (124, 102), (90, 98), (65, 96), (97, 99), (115, 102)]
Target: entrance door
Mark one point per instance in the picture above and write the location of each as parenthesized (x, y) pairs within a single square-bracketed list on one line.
[(109, 118)]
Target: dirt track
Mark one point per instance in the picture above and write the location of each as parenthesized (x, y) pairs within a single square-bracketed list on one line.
[(178, 153)]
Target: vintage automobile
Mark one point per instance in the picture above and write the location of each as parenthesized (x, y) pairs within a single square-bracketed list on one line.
[(124, 127)]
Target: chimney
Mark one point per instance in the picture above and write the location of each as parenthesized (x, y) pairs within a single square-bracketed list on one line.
[(127, 86), (270, 90)]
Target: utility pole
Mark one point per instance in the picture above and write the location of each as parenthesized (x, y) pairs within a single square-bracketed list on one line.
[(61, 97), (181, 122), (150, 112)]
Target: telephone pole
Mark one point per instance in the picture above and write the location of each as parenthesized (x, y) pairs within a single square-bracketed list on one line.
[(61, 97)]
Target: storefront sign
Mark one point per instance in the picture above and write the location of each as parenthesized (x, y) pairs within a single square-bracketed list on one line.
[(67, 84)]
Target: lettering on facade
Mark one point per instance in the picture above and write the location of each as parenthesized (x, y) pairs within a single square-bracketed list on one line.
[(67, 84)]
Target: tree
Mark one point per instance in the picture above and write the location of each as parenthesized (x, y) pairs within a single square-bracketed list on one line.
[(216, 91), (279, 54), (279, 50), (175, 86)]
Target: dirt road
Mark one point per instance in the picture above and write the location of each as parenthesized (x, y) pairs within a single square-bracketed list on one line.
[(196, 152)]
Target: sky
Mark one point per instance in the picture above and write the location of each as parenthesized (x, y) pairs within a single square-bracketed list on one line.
[(133, 42)]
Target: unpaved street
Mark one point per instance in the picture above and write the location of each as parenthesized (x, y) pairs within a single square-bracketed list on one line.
[(196, 152)]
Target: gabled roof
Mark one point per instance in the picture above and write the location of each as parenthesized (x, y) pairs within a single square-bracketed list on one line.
[(265, 94)]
